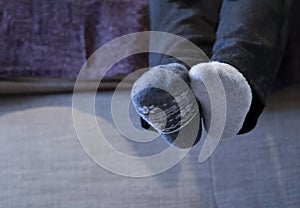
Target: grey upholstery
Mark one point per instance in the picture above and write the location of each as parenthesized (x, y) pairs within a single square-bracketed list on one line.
[(43, 164)]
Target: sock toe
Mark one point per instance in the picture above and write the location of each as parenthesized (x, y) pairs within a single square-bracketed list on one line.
[(227, 86), (163, 99)]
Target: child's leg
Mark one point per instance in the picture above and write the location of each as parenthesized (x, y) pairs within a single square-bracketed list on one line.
[(195, 21), (251, 37)]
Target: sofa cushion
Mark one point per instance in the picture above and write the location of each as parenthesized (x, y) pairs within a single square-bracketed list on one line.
[(53, 38)]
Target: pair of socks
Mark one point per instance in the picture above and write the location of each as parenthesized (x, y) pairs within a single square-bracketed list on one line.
[(172, 99)]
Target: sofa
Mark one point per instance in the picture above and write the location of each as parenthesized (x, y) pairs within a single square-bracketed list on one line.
[(44, 163)]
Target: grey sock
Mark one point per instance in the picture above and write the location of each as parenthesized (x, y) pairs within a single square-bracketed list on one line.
[(235, 95), (163, 98)]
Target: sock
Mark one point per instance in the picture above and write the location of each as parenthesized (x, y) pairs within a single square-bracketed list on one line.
[(159, 94), (237, 95)]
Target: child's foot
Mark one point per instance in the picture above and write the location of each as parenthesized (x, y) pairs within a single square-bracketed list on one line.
[(163, 98), (236, 95)]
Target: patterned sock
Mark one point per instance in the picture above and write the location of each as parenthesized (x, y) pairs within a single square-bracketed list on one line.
[(235, 94), (163, 98)]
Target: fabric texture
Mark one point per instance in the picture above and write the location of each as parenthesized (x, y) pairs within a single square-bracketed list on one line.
[(43, 165), (249, 35), (162, 97), (53, 39), (217, 85)]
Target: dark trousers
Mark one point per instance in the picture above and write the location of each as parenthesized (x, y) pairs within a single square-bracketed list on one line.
[(248, 34)]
